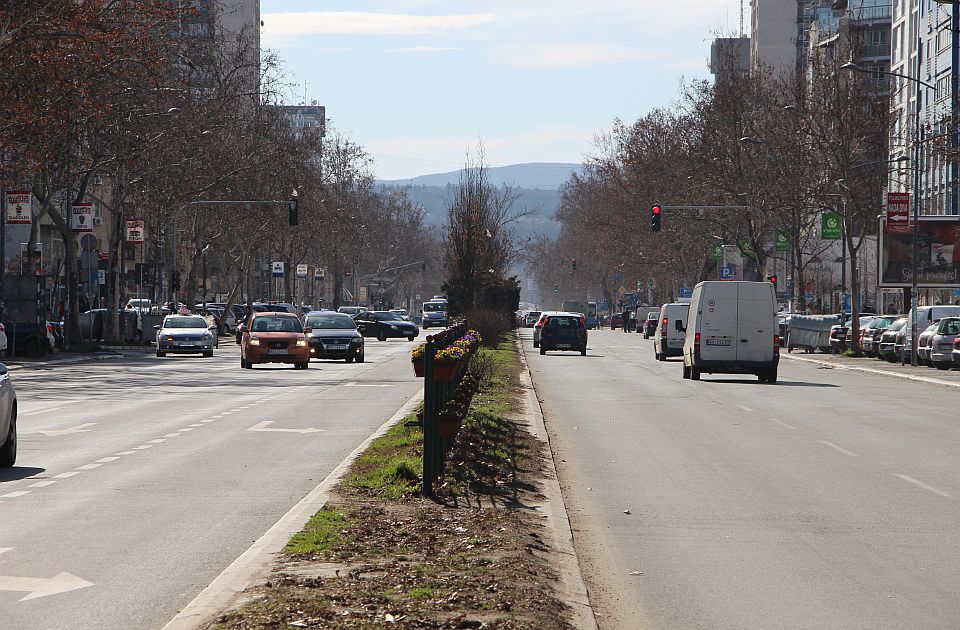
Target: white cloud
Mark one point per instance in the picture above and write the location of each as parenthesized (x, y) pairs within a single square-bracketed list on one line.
[(557, 55), (365, 23)]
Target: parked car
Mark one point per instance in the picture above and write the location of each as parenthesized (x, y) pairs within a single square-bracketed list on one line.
[(838, 338), (888, 340), (923, 343), (139, 304), (185, 334), (352, 310), (564, 331), (869, 337), (274, 338), (8, 419), (333, 335), (616, 321), (864, 322), (942, 343), (402, 312), (650, 324), (384, 324)]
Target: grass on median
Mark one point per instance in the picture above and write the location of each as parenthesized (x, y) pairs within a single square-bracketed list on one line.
[(391, 466), (321, 535)]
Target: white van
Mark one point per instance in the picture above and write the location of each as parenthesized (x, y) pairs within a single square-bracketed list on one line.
[(671, 331), (732, 328), (926, 315)]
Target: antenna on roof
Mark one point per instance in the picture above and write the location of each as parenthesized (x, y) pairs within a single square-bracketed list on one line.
[(741, 18)]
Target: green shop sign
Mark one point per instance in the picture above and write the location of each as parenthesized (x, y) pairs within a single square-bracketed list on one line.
[(782, 239), (830, 226)]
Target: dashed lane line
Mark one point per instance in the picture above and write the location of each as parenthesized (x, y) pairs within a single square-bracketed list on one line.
[(14, 494), (67, 475), (784, 424), (838, 448), (920, 484), (107, 460), (43, 484)]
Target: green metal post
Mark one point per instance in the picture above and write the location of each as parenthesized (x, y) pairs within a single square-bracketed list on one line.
[(430, 428)]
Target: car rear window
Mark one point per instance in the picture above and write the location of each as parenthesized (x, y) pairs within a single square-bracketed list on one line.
[(276, 323), (562, 322)]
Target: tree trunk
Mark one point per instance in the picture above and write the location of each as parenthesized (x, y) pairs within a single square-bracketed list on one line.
[(852, 254), (73, 284)]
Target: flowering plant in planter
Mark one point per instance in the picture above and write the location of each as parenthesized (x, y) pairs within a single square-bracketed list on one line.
[(417, 353), (451, 354)]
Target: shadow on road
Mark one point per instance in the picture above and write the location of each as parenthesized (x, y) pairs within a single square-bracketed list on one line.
[(19, 472), (779, 383)]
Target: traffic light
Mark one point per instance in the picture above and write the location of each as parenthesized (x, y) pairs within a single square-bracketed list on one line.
[(773, 280), (655, 213), (294, 207), (574, 263), (556, 288)]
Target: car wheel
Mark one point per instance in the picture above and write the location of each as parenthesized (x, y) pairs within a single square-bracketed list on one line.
[(542, 350), (304, 366), (772, 376), (8, 452), (381, 336), (694, 374), (762, 376), (425, 327), (942, 365), (583, 352), (208, 354), (686, 372), (536, 344), (161, 354), (349, 359), (360, 358), (411, 338)]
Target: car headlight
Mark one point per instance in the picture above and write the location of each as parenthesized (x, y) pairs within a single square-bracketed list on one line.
[(167, 338), (207, 335), (301, 342), (254, 341), (393, 327)]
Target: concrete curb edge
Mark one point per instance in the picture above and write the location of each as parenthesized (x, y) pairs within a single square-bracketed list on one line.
[(574, 591), (260, 556), (910, 377)]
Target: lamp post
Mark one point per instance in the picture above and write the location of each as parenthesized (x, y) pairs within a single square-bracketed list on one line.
[(917, 179)]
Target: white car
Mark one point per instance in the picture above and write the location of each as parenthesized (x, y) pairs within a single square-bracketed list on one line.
[(3, 338), (8, 420), (186, 334)]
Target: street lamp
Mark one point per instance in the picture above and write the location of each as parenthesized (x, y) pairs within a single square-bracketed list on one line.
[(917, 174)]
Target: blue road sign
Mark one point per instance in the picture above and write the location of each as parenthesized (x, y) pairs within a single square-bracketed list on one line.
[(686, 292), (808, 297), (726, 272)]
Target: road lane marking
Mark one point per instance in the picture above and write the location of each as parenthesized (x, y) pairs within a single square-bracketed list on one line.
[(355, 384), (920, 484), (66, 475), (185, 429), (194, 425), (42, 587), (208, 420), (265, 426), (784, 424), (80, 428), (89, 466), (14, 495), (126, 452), (744, 408), (838, 448), (5, 549), (36, 411), (172, 435), (43, 484), (143, 447), (157, 441), (107, 460)]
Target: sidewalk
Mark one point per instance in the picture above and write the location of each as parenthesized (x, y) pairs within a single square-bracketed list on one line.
[(921, 373)]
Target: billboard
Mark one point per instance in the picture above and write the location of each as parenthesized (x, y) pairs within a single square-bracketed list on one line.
[(938, 254)]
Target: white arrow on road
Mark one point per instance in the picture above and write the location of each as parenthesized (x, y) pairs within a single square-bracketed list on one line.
[(42, 587), (265, 426), (80, 428)]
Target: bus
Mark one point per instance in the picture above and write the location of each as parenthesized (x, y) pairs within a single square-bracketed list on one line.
[(587, 309)]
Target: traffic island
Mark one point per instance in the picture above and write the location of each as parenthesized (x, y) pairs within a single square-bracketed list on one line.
[(474, 554)]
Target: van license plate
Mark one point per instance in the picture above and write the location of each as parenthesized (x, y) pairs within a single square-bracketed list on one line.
[(718, 342), (563, 345)]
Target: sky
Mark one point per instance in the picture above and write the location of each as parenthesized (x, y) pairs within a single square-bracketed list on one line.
[(420, 83)]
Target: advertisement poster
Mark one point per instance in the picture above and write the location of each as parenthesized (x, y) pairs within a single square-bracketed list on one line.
[(135, 231), (81, 217), (938, 254), (18, 206)]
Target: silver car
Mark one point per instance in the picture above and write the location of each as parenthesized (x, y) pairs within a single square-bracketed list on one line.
[(941, 346), (923, 343), (8, 420), (186, 334)]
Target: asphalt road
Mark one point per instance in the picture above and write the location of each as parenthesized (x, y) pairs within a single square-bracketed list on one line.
[(139, 480), (829, 500)]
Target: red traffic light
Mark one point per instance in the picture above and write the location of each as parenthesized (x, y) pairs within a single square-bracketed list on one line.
[(772, 280), (656, 209)]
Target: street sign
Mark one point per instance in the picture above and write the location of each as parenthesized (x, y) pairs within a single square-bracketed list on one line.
[(830, 226), (898, 207), (18, 206), (318, 274), (716, 251), (277, 268), (808, 297), (686, 292), (782, 241), (302, 270), (622, 290), (727, 272)]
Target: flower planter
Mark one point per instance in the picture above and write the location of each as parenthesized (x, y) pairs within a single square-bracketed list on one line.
[(448, 426), (445, 370), (418, 367)]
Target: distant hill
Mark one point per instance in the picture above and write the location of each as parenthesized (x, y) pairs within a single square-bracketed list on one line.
[(537, 175)]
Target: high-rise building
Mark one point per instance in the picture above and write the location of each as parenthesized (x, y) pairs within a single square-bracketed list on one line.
[(729, 54), (925, 45), (774, 34)]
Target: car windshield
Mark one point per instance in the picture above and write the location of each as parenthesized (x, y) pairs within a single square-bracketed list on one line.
[(389, 317), (897, 325), (434, 307), (950, 327), (185, 322), (274, 323), (340, 322)]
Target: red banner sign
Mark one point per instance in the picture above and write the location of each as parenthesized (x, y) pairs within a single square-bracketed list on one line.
[(898, 212)]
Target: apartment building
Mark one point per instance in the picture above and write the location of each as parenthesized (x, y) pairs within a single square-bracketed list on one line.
[(774, 34)]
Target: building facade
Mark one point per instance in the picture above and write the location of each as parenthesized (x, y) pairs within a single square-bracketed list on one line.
[(729, 54), (774, 34)]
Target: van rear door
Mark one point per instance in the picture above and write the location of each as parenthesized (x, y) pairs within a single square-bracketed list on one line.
[(718, 321), (756, 322), (676, 314)]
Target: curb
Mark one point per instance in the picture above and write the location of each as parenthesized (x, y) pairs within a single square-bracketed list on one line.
[(573, 589), (221, 594), (909, 377)]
